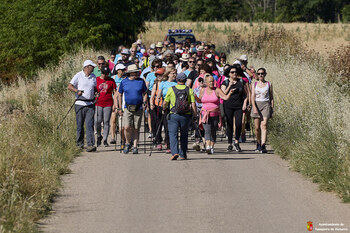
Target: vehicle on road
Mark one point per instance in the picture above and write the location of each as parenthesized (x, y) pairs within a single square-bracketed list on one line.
[(179, 35)]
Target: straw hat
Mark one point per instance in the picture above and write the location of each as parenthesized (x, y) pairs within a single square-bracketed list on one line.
[(185, 57), (132, 69)]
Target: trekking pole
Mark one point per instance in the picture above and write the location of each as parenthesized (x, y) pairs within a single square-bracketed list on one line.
[(200, 135), (115, 132), (155, 136), (120, 131), (68, 111), (144, 131)]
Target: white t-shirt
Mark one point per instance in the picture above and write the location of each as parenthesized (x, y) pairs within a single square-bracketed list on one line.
[(179, 51), (86, 84)]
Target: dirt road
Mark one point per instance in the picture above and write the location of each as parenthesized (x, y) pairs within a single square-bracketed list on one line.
[(226, 192)]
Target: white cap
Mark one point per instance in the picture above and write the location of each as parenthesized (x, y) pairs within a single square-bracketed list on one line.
[(125, 51), (238, 62), (120, 67), (89, 63), (153, 46), (243, 58), (139, 41)]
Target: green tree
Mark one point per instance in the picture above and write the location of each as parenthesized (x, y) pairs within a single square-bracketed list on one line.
[(36, 33)]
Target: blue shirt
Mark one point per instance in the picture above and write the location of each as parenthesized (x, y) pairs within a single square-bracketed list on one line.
[(117, 80), (150, 78), (187, 72), (116, 58), (133, 90), (164, 86), (147, 69)]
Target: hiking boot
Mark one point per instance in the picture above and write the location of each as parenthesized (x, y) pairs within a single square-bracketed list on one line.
[(99, 140), (237, 147), (90, 148), (105, 143), (196, 146), (126, 149), (135, 150), (229, 148), (113, 141), (258, 148), (159, 147), (263, 148)]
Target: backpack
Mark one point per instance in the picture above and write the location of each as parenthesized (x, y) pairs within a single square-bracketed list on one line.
[(182, 106)]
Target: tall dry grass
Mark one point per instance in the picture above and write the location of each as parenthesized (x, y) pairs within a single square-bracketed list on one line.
[(33, 153), (310, 125), (323, 38)]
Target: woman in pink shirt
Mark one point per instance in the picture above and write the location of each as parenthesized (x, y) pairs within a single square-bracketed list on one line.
[(210, 117)]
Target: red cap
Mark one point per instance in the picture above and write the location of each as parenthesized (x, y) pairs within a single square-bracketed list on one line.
[(160, 71)]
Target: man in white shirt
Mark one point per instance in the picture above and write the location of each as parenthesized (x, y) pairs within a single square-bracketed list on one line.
[(83, 84)]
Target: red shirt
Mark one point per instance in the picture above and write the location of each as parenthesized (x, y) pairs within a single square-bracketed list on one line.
[(105, 87)]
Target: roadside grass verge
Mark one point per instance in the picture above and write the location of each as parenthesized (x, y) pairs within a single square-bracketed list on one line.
[(310, 127), (33, 154)]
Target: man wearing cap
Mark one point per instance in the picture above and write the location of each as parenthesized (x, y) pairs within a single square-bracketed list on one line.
[(100, 62), (125, 58), (178, 119), (134, 90), (244, 62), (83, 84)]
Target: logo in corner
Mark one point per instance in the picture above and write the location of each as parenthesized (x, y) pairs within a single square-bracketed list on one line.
[(309, 226)]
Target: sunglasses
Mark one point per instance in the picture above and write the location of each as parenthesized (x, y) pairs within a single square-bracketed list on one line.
[(190, 61), (233, 72), (100, 64), (260, 73)]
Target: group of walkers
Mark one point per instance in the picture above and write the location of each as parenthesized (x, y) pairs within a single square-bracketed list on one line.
[(178, 86)]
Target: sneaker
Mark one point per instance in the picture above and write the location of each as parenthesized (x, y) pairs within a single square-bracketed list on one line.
[(208, 150), (229, 148), (237, 147), (105, 143), (113, 142), (159, 147), (150, 135), (126, 149), (263, 148), (90, 148), (196, 146), (99, 140), (135, 150), (258, 148), (168, 151), (212, 151)]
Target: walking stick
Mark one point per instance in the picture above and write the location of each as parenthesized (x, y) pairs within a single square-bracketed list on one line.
[(144, 131), (158, 129), (120, 131)]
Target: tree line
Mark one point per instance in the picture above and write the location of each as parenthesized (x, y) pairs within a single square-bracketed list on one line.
[(327, 11)]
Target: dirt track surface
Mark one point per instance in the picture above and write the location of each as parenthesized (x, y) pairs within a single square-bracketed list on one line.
[(108, 191)]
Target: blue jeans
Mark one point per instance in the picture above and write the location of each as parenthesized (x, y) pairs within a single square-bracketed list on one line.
[(174, 123), (85, 114)]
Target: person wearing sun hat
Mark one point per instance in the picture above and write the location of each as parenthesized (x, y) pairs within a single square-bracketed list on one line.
[(180, 115), (135, 95), (83, 85)]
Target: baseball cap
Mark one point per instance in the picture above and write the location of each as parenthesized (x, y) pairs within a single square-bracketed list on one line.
[(181, 77), (105, 70), (125, 51), (120, 67), (89, 63), (160, 71), (243, 58)]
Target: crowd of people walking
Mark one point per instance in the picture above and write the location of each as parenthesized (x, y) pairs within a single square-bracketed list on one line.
[(176, 88)]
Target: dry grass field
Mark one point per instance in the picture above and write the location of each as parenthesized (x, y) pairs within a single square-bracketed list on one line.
[(323, 38)]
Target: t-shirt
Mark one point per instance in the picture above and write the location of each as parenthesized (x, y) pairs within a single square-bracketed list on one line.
[(192, 75), (164, 86), (150, 78), (117, 80), (145, 71), (237, 97), (187, 72), (84, 83), (133, 90), (171, 98), (97, 72), (105, 87)]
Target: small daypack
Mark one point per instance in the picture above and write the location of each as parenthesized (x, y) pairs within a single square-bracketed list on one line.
[(182, 106)]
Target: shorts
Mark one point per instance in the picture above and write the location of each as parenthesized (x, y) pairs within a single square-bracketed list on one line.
[(264, 110), (132, 119)]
